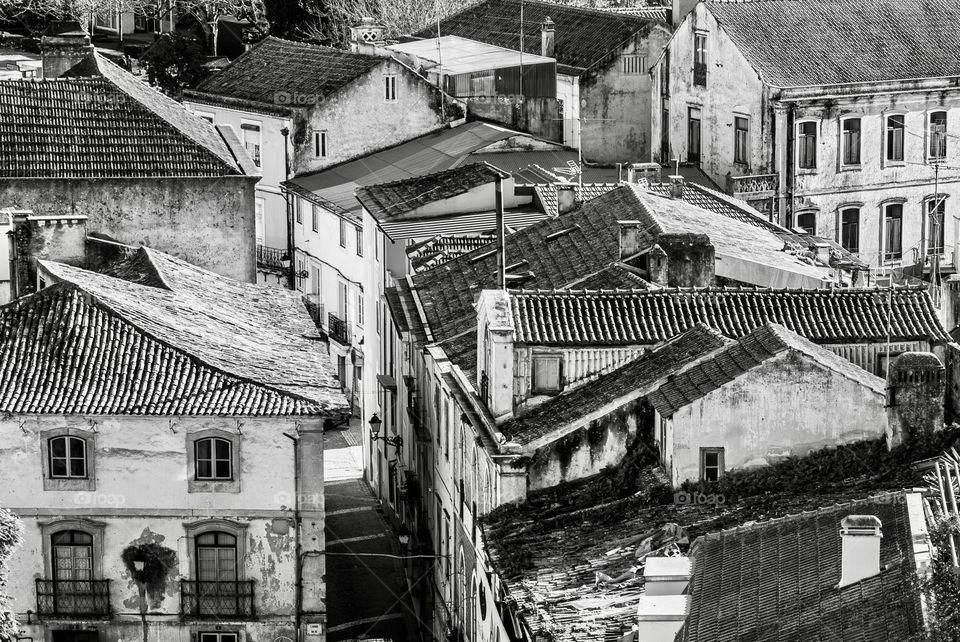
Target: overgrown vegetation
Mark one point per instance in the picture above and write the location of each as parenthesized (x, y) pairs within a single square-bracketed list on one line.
[(11, 535), (941, 586), (173, 62)]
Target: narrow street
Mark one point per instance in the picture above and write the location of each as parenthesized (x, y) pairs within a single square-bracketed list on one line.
[(367, 596)]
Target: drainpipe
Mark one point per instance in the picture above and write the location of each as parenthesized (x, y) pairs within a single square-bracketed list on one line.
[(291, 241), (791, 164), (296, 532)]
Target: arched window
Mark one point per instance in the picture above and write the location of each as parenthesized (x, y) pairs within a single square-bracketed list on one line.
[(216, 557), (72, 556), (938, 136), (850, 229), (214, 458), (68, 457)]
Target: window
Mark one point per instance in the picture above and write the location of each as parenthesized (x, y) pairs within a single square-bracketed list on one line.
[(693, 134), (850, 229), (938, 135), (546, 373), (700, 60), (343, 233), (216, 637), (851, 141), (299, 272), (298, 209), (936, 210), (360, 309), (359, 241), (633, 64), (807, 221), (315, 280), (807, 145), (213, 459), (68, 458), (216, 557), (895, 128), (390, 88), (251, 140), (207, 116), (315, 217), (892, 231), (741, 139), (711, 464), (72, 557), (258, 216), (320, 144)]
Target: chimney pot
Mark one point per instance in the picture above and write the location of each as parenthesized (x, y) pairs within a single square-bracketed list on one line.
[(367, 36), (860, 548), (676, 186), (547, 39)]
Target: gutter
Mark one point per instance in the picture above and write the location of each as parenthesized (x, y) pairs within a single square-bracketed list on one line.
[(298, 582)]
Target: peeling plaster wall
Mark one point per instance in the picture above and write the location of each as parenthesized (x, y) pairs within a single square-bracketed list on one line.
[(586, 451), (209, 222), (140, 496), (788, 405)]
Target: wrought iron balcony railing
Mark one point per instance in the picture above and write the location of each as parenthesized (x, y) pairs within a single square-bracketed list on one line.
[(80, 599), (201, 600), (338, 329), (752, 184)]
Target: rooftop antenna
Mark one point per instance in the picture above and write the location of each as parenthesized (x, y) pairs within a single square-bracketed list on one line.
[(443, 100), (501, 241), (521, 56)]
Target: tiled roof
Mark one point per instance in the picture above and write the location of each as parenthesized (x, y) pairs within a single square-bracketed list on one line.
[(258, 334), (389, 201), (644, 317), (62, 351), (111, 125), (634, 377), (766, 342), (619, 276), (801, 43), (440, 249), (279, 74), (583, 37), (547, 193), (777, 580)]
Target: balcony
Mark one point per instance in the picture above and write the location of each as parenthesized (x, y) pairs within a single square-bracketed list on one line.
[(231, 600), (754, 185), (271, 258), (338, 329), (73, 599)]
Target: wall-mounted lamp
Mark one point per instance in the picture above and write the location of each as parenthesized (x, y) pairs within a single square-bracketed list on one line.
[(138, 565), (375, 424)]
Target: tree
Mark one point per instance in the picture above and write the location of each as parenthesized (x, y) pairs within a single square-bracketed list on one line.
[(173, 62), (11, 535)]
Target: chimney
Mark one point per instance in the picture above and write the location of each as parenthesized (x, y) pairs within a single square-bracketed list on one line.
[(630, 241), (546, 38), (667, 575), (640, 173), (566, 198), (660, 617), (495, 351), (676, 186), (64, 52), (367, 36), (916, 387), (859, 548)]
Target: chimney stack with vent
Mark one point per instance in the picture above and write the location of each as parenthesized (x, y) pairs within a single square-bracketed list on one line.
[(916, 390), (859, 548), (367, 36), (643, 173), (566, 198), (546, 38), (65, 50)]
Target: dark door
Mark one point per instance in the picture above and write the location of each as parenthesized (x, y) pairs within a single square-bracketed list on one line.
[(75, 636)]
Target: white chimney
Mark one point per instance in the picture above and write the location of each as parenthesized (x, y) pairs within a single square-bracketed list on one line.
[(547, 38), (495, 357), (367, 36), (676, 186), (667, 575), (643, 173), (566, 197), (660, 617), (860, 548), (630, 238)]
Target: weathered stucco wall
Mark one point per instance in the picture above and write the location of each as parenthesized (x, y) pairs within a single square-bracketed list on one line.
[(207, 221), (139, 494), (787, 406), (587, 450), (358, 119), (615, 107)]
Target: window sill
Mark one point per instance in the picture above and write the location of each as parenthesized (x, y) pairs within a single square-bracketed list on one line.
[(850, 168), (66, 484), (894, 163), (211, 486), (806, 172)]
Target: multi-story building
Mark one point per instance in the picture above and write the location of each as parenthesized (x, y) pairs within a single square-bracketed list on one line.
[(141, 169), (164, 451), (848, 138), (602, 61), (300, 108)]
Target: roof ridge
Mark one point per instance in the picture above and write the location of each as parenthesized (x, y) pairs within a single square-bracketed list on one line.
[(153, 337)]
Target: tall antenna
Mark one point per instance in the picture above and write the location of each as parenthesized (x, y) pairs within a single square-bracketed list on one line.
[(443, 100), (521, 56)]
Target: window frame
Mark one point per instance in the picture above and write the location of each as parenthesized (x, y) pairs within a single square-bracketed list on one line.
[(91, 527), (315, 217), (250, 126), (843, 209), (343, 233), (70, 444), (298, 210), (691, 156), (884, 209), (193, 530), (799, 135), (931, 158), (633, 64), (390, 88), (739, 159), (87, 483), (214, 459), (700, 58), (720, 451), (806, 212), (321, 143), (846, 161), (359, 232), (928, 222), (213, 485), (535, 387), (894, 162)]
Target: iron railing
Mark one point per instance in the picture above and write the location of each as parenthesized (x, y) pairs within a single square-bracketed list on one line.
[(270, 257), (73, 598), (201, 600), (338, 329), (752, 184)]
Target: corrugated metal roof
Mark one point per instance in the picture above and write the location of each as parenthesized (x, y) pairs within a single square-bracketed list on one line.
[(474, 223), (458, 55)]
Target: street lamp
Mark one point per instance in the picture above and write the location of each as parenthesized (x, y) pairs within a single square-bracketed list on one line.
[(138, 565), (404, 536), (375, 424)]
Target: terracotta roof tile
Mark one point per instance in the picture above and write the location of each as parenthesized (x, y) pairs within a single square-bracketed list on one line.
[(801, 43), (644, 317)]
